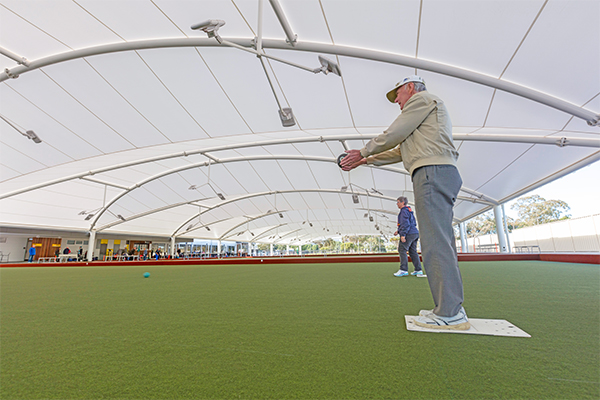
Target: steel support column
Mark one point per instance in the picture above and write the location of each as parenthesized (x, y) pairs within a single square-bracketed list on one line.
[(464, 243), (506, 229), (91, 246), (499, 215)]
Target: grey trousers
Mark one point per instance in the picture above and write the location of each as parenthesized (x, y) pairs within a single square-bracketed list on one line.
[(411, 246), (436, 188)]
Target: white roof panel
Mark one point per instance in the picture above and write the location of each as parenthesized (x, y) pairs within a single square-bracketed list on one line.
[(148, 95), (153, 116), (390, 26), (36, 43), (144, 20), (481, 36), (549, 58)]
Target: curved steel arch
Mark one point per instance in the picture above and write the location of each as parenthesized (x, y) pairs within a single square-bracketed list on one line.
[(196, 165), (248, 220), (289, 233), (269, 193), (150, 212), (313, 47), (210, 208), (101, 212), (561, 142), (264, 233), (244, 197)]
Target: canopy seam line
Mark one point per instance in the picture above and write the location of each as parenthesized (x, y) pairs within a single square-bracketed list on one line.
[(419, 31), (505, 167), (126, 101), (224, 91), (58, 122), (37, 27), (23, 154), (524, 38), (337, 58), (102, 23), (88, 110), (172, 95)]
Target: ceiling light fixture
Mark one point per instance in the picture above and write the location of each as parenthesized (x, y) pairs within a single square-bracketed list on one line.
[(28, 134), (286, 115), (220, 195), (196, 187), (328, 66), (31, 135), (89, 214), (211, 28)]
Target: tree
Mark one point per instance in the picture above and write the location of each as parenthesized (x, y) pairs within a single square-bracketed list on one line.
[(263, 247), (483, 224), (327, 245), (391, 246), (281, 248), (535, 210)]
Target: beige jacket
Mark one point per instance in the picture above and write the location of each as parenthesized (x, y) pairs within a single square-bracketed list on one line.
[(421, 135)]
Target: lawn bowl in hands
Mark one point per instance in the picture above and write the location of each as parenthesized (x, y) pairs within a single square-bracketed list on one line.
[(340, 158)]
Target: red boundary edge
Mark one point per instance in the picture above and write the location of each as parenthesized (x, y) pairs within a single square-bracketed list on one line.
[(320, 259)]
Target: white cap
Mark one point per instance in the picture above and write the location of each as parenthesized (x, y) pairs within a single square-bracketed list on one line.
[(391, 95)]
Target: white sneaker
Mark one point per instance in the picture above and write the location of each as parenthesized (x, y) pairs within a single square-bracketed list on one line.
[(459, 322), (401, 273), (417, 273)]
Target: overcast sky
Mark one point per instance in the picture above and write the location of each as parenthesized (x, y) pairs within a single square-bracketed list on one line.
[(580, 190)]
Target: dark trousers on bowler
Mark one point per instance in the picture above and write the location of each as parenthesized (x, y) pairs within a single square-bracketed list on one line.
[(409, 246)]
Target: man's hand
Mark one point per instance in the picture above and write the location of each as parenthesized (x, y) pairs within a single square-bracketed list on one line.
[(352, 160), (403, 238), (396, 233)]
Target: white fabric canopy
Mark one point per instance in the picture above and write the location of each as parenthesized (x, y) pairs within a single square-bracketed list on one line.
[(144, 121)]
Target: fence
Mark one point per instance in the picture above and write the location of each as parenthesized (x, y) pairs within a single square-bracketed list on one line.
[(577, 235)]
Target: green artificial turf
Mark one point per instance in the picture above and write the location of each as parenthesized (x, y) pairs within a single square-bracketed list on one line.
[(310, 331)]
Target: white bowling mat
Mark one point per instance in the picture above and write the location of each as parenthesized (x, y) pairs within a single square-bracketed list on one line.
[(493, 327)]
